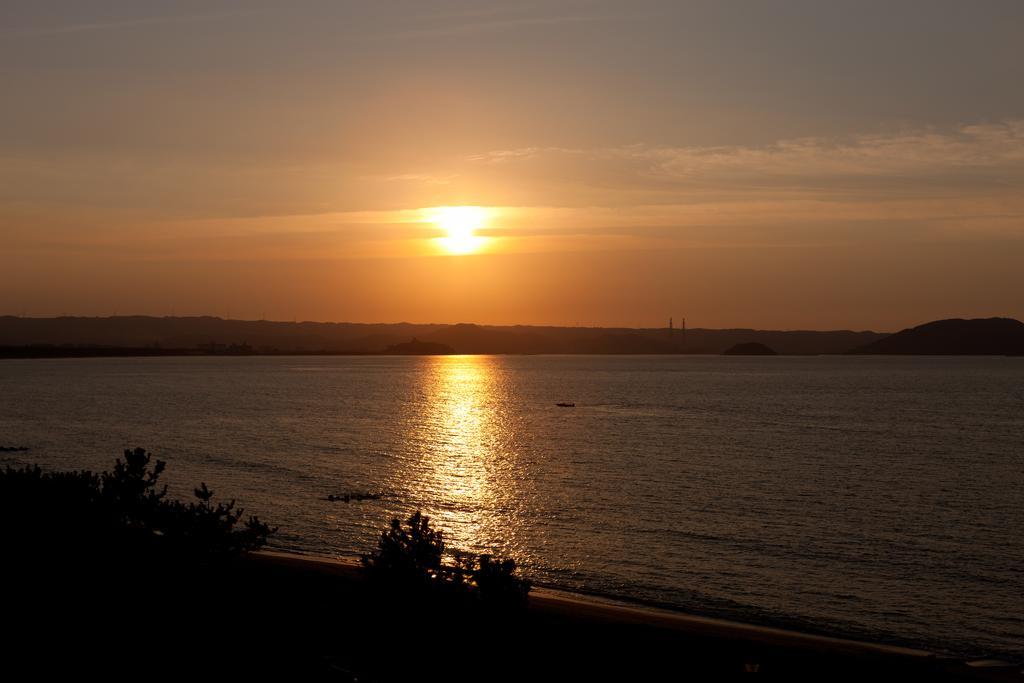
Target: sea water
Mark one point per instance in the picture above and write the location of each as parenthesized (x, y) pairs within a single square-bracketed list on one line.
[(869, 497)]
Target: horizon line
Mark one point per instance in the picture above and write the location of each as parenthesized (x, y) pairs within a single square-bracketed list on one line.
[(466, 323)]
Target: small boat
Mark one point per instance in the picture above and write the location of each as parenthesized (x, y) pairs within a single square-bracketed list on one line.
[(566, 405)]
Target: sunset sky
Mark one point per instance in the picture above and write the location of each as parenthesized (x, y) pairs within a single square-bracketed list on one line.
[(785, 164)]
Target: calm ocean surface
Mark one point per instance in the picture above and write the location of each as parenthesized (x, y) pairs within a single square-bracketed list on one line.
[(873, 497)]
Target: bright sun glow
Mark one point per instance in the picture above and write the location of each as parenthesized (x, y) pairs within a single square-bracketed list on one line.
[(459, 224)]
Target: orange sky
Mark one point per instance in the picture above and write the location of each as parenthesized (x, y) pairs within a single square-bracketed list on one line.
[(737, 164)]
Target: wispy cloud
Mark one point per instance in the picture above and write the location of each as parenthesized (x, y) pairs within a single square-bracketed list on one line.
[(489, 19), (964, 161), (420, 178), (125, 23)]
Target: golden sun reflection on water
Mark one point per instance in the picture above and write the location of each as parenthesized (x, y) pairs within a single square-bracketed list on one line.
[(467, 472)]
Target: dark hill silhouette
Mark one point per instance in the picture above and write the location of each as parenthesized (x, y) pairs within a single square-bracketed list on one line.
[(419, 348), (626, 343), (193, 332), (782, 341), (371, 343), (955, 337), (749, 349), (142, 335), (469, 338)]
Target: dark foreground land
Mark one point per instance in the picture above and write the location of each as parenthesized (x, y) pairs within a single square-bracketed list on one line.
[(105, 577), (307, 619)]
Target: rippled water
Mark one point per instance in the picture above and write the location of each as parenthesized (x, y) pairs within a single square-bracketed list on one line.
[(880, 498)]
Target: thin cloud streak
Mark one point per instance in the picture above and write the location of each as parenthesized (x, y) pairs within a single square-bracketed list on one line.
[(130, 23), (488, 26), (983, 156)]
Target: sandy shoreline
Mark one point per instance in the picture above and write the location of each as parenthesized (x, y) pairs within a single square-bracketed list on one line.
[(548, 603), (555, 600), (301, 617)]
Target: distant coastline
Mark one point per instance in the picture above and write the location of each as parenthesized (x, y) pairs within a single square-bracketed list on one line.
[(22, 337), (85, 351), (141, 336), (43, 352)]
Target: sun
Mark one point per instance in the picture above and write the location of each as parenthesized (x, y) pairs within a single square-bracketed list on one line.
[(459, 224)]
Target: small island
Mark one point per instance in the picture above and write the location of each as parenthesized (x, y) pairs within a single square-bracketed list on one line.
[(749, 349)]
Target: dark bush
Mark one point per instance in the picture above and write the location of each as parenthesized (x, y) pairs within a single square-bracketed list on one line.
[(408, 556), (497, 583), (124, 511), (106, 573), (411, 559)]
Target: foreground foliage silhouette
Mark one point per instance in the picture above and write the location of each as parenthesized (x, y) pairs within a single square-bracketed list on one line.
[(124, 511), (109, 596), (109, 569), (410, 560)]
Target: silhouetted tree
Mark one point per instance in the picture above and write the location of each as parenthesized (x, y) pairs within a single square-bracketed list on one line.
[(497, 583), (124, 511), (410, 558), (109, 565)]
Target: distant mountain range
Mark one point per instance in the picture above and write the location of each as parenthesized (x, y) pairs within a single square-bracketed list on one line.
[(157, 336), (956, 337), (142, 335)]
